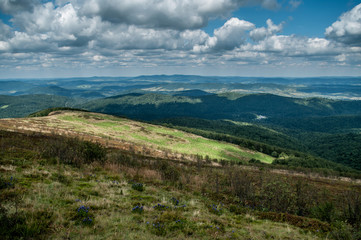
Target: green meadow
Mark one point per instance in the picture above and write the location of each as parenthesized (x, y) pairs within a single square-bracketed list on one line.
[(157, 137)]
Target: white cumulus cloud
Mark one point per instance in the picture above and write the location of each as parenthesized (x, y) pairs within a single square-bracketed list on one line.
[(231, 35), (14, 6), (261, 33), (172, 14), (348, 28)]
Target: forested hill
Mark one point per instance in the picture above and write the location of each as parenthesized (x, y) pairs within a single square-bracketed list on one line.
[(224, 106), (21, 106)]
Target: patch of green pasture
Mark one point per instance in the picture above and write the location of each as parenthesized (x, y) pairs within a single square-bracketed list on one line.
[(202, 146), (174, 140), (72, 118), (141, 138), (205, 147), (263, 158), (5, 106), (166, 131), (113, 126)]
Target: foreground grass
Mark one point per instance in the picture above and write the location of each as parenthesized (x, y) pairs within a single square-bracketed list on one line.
[(120, 198), (60, 190)]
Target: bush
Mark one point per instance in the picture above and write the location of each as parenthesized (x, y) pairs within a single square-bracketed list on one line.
[(352, 208), (21, 225), (73, 151), (325, 212), (301, 222), (236, 209), (278, 196), (171, 221), (168, 171), (138, 186), (341, 231), (242, 185)]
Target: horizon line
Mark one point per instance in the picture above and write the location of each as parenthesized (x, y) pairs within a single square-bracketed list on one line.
[(186, 75)]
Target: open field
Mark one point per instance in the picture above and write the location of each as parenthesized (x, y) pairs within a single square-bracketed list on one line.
[(126, 134)]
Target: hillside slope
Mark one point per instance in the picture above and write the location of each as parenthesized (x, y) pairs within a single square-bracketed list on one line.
[(133, 136), (53, 187)]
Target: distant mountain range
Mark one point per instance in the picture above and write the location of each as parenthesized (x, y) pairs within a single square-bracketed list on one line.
[(98, 87)]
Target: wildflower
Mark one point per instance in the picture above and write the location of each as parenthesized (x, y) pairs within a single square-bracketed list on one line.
[(174, 201), (137, 209), (160, 207)]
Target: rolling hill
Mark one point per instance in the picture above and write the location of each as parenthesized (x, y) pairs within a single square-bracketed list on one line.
[(140, 137), (224, 106), (302, 124), (21, 106)]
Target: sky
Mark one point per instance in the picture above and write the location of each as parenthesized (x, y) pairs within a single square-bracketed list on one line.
[(268, 38)]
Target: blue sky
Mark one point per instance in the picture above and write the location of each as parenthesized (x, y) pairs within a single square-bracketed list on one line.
[(295, 38), (310, 18)]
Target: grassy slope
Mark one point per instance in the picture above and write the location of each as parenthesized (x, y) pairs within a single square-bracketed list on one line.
[(151, 137), (62, 190), (49, 195)]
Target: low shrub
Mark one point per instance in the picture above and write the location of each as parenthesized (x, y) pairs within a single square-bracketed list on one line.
[(73, 151), (138, 186), (310, 224), (22, 225)]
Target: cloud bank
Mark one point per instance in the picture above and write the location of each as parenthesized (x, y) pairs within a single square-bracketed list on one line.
[(163, 33)]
